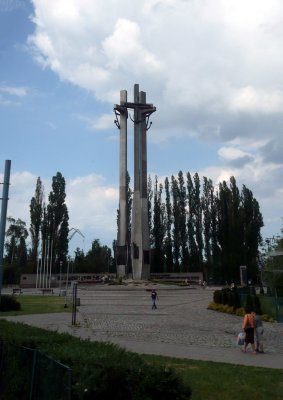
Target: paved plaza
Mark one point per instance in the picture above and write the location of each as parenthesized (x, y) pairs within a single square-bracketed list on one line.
[(181, 326)]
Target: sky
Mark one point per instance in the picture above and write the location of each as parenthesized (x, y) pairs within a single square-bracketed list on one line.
[(213, 69)]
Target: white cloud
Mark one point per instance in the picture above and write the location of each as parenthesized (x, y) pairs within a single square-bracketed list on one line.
[(105, 121), (123, 49), (248, 99), (14, 91), (231, 153), (101, 122), (10, 5), (212, 68), (187, 54)]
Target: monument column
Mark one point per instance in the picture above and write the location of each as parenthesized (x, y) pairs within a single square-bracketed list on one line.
[(136, 234), (140, 227), (122, 239)]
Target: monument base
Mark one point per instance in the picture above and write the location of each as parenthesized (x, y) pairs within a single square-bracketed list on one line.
[(121, 271)]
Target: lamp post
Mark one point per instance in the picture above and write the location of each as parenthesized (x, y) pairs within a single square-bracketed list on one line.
[(60, 277), (67, 283)]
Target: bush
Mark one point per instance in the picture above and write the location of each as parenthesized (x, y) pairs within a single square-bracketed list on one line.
[(257, 305), (237, 300), (267, 318), (231, 297), (224, 296), (99, 370), (217, 296), (9, 303), (249, 303)]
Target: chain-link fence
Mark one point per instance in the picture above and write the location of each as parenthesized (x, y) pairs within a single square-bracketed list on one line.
[(28, 374)]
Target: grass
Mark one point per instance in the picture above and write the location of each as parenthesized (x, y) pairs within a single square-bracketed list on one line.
[(208, 380), (39, 305), (212, 381)]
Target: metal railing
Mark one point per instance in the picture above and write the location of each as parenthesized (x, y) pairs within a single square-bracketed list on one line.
[(28, 374)]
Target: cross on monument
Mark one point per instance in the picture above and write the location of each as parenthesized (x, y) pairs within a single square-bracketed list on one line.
[(139, 246)]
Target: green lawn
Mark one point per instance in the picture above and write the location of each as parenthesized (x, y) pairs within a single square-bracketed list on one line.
[(208, 380), (39, 305), (213, 381)]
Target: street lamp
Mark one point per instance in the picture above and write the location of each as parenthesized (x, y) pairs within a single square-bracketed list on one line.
[(60, 277), (67, 283)]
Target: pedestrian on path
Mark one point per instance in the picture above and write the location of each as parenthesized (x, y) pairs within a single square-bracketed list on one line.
[(248, 327), (154, 297), (258, 332)]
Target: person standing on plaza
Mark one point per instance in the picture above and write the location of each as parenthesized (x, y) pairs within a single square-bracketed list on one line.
[(248, 327), (154, 297), (258, 332)]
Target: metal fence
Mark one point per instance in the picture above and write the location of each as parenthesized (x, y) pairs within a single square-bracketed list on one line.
[(271, 305), (28, 374)]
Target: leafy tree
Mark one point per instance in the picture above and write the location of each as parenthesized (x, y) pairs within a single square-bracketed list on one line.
[(168, 266), (158, 231), (98, 258), (182, 200), (273, 266), (207, 208), (176, 224), (191, 225), (149, 207), (16, 250), (57, 220), (252, 224), (36, 212), (198, 220), (224, 231), (79, 261)]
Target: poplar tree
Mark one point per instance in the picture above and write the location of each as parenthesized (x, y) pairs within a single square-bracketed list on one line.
[(182, 202), (16, 250), (207, 208), (176, 224), (224, 231), (149, 207), (158, 229), (168, 266), (191, 224), (198, 221), (57, 220), (36, 213), (252, 223)]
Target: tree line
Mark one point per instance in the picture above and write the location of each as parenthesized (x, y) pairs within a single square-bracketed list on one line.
[(49, 238), (196, 226)]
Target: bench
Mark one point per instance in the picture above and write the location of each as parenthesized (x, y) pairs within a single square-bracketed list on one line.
[(46, 290), (17, 290)]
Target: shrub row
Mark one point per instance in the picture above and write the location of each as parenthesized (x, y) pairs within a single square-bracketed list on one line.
[(9, 303), (227, 296), (99, 370), (228, 300), (232, 298), (240, 312)]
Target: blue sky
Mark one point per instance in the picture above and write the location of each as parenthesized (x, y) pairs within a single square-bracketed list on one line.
[(212, 70)]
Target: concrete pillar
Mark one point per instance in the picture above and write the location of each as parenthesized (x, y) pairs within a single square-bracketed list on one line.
[(145, 273), (136, 235), (122, 239), (140, 228)]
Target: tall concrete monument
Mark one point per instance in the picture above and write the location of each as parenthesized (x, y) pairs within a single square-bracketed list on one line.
[(139, 246)]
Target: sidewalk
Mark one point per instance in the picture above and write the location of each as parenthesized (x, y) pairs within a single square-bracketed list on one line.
[(181, 327)]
